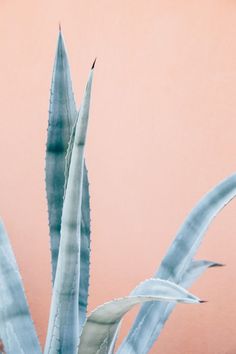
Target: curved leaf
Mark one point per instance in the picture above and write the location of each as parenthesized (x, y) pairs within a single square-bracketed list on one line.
[(195, 270), (17, 330), (63, 327), (102, 323), (149, 321)]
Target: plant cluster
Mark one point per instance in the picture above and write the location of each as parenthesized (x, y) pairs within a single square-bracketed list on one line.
[(70, 329)]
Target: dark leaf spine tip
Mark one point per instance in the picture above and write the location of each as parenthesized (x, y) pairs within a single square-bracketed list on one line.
[(203, 301), (93, 64), (217, 265), (59, 26)]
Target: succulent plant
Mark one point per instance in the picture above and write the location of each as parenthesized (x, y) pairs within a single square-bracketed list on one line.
[(70, 330)]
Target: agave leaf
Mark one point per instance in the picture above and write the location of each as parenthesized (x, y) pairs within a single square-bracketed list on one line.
[(63, 326), (84, 233), (14, 311), (195, 270), (69, 153), (61, 132), (13, 344), (84, 250), (62, 115), (152, 316), (114, 340), (101, 325)]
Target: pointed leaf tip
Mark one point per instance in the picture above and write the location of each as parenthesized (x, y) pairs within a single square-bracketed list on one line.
[(217, 265), (94, 64), (203, 301), (60, 27)]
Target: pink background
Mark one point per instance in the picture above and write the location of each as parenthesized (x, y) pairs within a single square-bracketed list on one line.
[(162, 132)]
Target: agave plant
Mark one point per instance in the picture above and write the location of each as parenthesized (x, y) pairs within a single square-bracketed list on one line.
[(70, 330)]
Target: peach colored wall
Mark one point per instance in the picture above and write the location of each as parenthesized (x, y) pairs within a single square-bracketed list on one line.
[(162, 132)]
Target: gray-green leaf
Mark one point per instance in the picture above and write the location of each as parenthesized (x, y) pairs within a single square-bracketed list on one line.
[(174, 265), (84, 233), (63, 327), (62, 115), (17, 330), (102, 323)]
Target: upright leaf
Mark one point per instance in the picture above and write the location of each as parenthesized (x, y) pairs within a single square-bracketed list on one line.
[(61, 131), (101, 325), (17, 330), (84, 250), (63, 329), (152, 316), (84, 233), (62, 115)]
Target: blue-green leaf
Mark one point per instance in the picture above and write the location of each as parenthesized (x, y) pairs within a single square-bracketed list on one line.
[(84, 233), (101, 325), (61, 131), (84, 250), (195, 270), (174, 265), (63, 329), (114, 340), (13, 344), (62, 115), (17, 330)]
